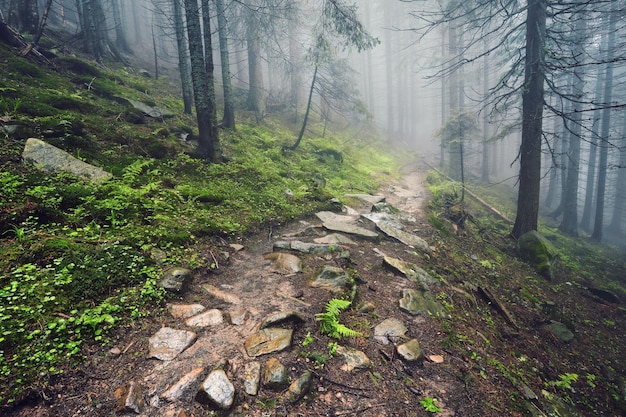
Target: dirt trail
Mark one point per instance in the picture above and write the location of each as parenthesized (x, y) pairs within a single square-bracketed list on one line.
[(390, 387)]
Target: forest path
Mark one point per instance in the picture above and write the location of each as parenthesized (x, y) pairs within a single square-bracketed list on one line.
[(156, 367)]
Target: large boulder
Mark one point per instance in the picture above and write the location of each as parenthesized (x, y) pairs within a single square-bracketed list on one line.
[(539, 252), (52, 159)]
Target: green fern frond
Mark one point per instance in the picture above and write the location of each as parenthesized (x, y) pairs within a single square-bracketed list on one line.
[(329, 320)]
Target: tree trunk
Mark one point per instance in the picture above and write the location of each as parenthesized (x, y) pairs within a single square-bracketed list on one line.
[(208, 142), (604, 134), (216, 153), (617, 221), (256, 93), (569, 224), (306, 114), (183, 57), (389, 71), (229, 108), (120, 34), (484, 175), (532, 113)]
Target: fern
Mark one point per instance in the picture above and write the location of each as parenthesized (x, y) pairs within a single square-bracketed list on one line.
[(329, 320)]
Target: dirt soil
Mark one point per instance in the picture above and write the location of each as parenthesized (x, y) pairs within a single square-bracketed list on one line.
[(491, 366)]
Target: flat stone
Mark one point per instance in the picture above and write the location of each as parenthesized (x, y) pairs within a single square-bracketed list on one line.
[(309, 248), (281, 317), (390, 330), (268, 340), (560, 331), (236, 247), (183, 311), (49, 158), (275, 375), (208, 318), (217, 390), (183, 385), (404, 237), (410, 351), (221, 294), (167, 343), (237, 317), (417, 302), (174, 279), (154, 112), (383, 218), (300, 387), (410, 271), (285, 263), (331, 278), (355, 360), (251, 376), (367, 198), (436, 358), (345, 224), (129, 398), (334, 239)]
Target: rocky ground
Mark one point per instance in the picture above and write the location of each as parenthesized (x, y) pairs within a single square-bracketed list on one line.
[(243, 339)]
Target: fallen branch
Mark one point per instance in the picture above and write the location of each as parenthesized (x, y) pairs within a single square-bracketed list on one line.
[(488, 295)]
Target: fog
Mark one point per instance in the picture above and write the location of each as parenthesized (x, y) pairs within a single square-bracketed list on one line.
[(444, 80)]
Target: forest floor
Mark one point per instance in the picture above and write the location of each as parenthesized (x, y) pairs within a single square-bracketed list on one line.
[(478, 362)]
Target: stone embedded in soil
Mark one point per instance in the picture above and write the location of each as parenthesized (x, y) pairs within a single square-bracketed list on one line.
[(411, 271), (300, 387), (334, 239), (285, 263), (421, 302), (410, 351), (216, 390), (221, 294), (208, 318), (175, 279), (236, 247), (404, 237), (390, 330), (345, 224), (539, 252), (355, 360), (167, 343), (436, 358), (311, 248), (251, 376), (367, 307), (183, 311), (268, 340), (560, 331), (129, 398), (332, 278), (237, 317), (275, 375), (367, 198), (176, 391), (282, 317)]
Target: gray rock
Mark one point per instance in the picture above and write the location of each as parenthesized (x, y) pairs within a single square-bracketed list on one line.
[(175, 279), (217, 390), (345, 224), (383, 207), (411, 271), (167, 343), (390, 330), (281, 317), (236, 247), (332, 278), (367, 198), (285, 263), (238, 316), (154, 112), (355, 360), (311, 248), (334, 239), (221, 295), (49, 158), (251, 377), (560, 331), (539, 252), (208, 318), (300, 387), (383, 218), (410, 351), (417, 302), (404, 237), (183, 311), (367, 307), (275, 375), (182, 386), (130, 398), (268, 340)]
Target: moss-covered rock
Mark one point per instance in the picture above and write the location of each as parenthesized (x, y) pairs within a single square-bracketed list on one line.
[(539, 252)]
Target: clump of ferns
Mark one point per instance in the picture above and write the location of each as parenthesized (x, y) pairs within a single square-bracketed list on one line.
[(329, 320)]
